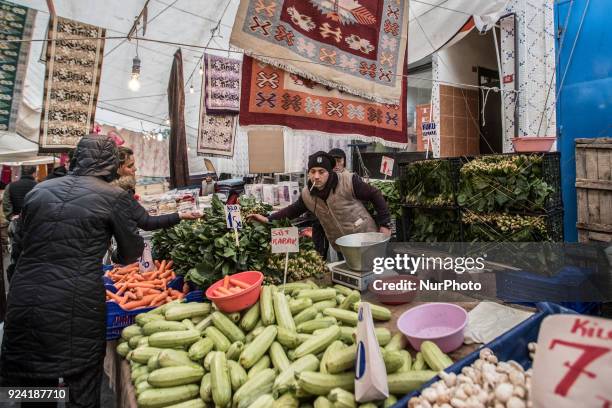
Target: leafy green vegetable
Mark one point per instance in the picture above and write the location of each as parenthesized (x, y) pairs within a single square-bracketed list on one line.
[(392, 196), (434, 225), (305, 264), (499, 183), (496, 227), (428, 182)]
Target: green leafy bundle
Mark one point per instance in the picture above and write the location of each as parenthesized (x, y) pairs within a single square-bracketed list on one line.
[(428, 182), (500, 183), (205, 250), (434, 225), (392, 196)]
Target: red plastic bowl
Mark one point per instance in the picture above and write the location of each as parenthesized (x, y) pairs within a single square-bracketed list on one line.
[(238, 301)]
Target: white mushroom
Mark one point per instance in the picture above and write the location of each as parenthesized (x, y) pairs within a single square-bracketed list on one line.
[(458, 403), (517, 377), (429, 394)]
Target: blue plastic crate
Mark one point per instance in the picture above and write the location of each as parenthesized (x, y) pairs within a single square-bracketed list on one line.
[(511, 345), (117, 319)]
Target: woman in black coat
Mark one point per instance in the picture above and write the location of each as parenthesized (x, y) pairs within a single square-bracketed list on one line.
[(56, 320), (127, 181)]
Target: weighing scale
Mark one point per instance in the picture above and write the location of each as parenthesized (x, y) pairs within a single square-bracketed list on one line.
[(345, 276)]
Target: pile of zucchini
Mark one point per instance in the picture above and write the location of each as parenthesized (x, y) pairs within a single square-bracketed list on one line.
[(288, 350)]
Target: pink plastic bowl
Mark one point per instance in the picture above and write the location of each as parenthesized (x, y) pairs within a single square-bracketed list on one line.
[(442, 323)]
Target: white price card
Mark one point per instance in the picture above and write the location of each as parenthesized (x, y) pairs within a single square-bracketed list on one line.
[(285, 240), (573, 363), (233, 217), (429, 129), (386, 166)]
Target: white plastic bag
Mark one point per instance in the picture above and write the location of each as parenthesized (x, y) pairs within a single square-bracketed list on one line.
[(370, 372), (145, 264)]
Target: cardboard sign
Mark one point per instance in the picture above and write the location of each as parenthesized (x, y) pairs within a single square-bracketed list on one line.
[(386, 166), (573, 362), (429, 129), (232, 216), (285, 240)]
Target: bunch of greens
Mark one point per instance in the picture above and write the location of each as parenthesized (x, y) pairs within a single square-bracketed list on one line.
[(434, 225), (428, 182), (500, 183), (205, 250), (392, 196), (306, 264), (497, 227)]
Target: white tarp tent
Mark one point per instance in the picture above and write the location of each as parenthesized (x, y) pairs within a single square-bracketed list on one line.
[(432, 24)]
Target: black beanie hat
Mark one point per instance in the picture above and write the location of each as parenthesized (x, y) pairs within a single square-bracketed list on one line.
[(321, 159), (337, 153)]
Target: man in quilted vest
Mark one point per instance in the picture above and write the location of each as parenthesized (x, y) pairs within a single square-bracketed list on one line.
[(336, 200)]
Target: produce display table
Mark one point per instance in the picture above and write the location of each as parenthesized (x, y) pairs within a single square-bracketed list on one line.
[(118, 370)]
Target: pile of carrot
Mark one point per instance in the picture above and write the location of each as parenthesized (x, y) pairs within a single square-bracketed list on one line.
[(149, 289), (230, 286)]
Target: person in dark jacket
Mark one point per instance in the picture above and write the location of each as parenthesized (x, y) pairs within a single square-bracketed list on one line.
[(59, 171), (15, 192), (127, 181), (336, 200), (56, 320)]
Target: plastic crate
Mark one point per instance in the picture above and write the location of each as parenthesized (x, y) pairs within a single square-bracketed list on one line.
[(511, 345), (554, 224), (551, 174), (117, 319)]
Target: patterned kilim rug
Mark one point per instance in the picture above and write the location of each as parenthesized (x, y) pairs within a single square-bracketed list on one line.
[(216, 135), (71, 83), (222, 85), (271, 96), (358, 46), (16, 22)]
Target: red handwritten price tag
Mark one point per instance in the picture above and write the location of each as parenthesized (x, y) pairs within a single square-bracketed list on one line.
[(386, 166), (573, 363), (285, 240)]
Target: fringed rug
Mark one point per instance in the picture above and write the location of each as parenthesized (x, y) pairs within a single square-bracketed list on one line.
[(358, 46), (222, 85), (72, 80), (16, 22), (216, 135), (271, 96)]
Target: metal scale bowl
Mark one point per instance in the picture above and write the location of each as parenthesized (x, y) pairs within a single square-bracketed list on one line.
[(359, 252)]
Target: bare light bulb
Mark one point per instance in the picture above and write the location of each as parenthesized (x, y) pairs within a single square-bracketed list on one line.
[(134, 83), (201, 70), (160, 137), (167, 121), (191, 90)]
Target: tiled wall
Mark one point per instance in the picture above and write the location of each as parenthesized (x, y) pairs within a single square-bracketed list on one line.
[(458, 121)]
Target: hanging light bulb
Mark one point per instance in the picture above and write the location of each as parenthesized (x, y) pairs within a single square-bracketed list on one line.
[(160, 137), (168, 122), (191, 90), (134, 83), (201, 69)]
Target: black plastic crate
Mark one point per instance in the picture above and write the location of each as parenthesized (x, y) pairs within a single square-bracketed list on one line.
[(550, 173), (444, 222)]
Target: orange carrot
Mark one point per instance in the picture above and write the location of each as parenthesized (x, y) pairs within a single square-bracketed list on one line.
[(139, 293), (157, 298), (138, 303), (216, 293), (162, 267), (141, 285), (113, 296), (238, 282), (156, 263), (169, 264), (235, 289), (226, 281), (224, 291)]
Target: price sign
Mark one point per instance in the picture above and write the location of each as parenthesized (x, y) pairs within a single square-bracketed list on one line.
[(232, 216), (573, 363), (386, 166), (285, 240), (429, 129)]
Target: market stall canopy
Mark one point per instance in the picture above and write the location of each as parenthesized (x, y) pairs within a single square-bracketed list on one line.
[(432, 24)]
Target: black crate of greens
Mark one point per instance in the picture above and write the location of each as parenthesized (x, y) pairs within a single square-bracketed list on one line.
[(513, 227), (517, 182), (429, 224), (431, 182)]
